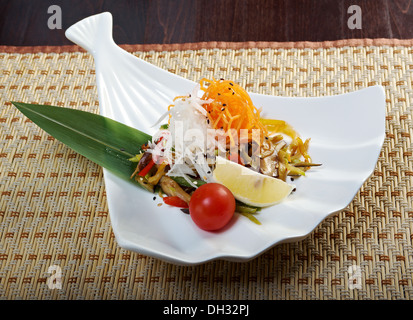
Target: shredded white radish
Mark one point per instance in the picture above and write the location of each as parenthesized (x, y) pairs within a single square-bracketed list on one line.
[(189, 139)]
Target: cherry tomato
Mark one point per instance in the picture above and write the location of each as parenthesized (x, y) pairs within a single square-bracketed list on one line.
[(212, 206)]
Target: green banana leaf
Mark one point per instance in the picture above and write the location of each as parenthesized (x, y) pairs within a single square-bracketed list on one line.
[(102, 140)]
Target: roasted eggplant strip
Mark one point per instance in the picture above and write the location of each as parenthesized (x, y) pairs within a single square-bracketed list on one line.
[(271, 144), (269, 166), (144, 161), (282, 171), (173, 189), (270, 156)]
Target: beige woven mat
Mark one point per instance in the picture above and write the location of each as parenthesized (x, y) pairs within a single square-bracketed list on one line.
[(53, 205)]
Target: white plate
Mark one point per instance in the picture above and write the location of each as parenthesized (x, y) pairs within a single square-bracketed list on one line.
[(347, 132)]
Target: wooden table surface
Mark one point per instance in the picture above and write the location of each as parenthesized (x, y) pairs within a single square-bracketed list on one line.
[(25, 23)]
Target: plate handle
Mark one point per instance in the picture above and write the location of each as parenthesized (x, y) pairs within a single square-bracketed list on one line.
[(92, 32)]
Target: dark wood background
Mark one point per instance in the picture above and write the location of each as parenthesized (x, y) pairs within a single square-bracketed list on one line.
[(24, 22)]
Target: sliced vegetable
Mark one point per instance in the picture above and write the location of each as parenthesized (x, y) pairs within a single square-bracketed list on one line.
[(251, 217), (146, 170), (181, 181), (175, 201), (144, 183), (158, 175), (294, 171), (136, 158), (279, 126), (244, 208), (306, 164)]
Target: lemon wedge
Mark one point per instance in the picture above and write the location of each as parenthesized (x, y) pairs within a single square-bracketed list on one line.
[(248, 186)]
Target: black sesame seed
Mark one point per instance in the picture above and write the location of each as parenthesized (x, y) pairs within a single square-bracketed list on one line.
[(231, 84), (154, 198)]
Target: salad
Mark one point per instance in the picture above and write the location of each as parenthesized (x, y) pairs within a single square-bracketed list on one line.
[(214, 154)]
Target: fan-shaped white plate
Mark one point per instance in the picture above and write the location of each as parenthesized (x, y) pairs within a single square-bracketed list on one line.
[(347, 132)]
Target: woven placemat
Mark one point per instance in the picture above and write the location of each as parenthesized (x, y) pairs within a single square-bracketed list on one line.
[(53, 209)]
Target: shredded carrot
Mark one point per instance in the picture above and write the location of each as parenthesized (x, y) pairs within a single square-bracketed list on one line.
[(180, 97), (231, 109), (169, 109)]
